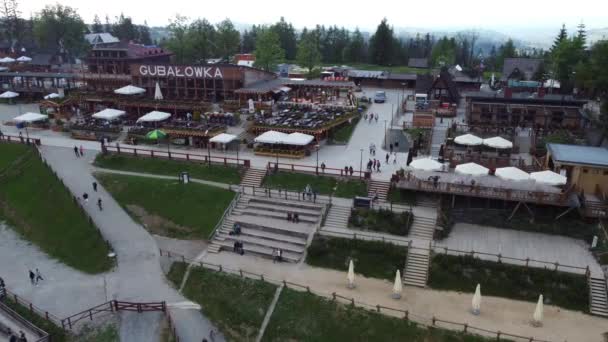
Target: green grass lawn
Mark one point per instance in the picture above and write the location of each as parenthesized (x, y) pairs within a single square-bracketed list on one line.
[(343, 133), (396, 195), (300, 316), (41, 209), (167, 207), (371, 258), (382, 220), (463, 273), (216, 173), (324, 185), (237, 305)]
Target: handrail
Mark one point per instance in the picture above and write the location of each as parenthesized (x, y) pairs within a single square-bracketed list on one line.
[(33, 309), (43, 335), (407, 314), (227, 212), (313, 169)]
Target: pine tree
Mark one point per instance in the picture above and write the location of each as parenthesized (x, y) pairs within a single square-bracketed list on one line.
[(382, 44), (107, 27), (308, 55), (561, 36), (96, 27), (268, 51), (582, 34)]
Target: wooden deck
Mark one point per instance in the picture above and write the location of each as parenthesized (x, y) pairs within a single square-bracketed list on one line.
[(556, 199)]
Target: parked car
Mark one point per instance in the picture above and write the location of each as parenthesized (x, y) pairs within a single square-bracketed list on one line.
[(380, 97)]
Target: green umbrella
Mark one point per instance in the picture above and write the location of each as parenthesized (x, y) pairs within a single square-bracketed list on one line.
[(156, 134)]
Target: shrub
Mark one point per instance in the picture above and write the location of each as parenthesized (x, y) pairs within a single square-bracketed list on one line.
[(382, 220)]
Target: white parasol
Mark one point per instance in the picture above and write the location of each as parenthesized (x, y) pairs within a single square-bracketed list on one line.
[(397, 286), (512, 173), (472, 169), (549, 177), (468, 140)]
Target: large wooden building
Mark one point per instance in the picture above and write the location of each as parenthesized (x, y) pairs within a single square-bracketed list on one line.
[(523, 109)]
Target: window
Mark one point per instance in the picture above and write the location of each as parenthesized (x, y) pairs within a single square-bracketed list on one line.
[(605, 172), (585, 171)]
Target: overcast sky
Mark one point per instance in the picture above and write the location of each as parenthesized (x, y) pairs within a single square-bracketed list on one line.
[(433, 14)]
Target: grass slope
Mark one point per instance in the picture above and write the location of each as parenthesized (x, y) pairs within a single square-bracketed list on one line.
[(40, 208), (463, 273), (215, 173), (301, 316), (324, 185), (237, 305), (372, 258), (185, 210)]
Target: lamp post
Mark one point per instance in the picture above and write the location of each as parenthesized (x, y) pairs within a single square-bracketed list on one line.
[(361, 164), (317, 168), (385, 145)]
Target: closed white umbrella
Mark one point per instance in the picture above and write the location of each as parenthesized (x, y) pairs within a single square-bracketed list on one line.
[(549, 177), (130, 90), (498, 142), (426, 164), (351, 275), (397, 286), (471, 169), (154, 116), (468, 140), (538, 313), (512, 173), (8, 95), (476, 302), (158, 95), (30, 117), (51, 96)]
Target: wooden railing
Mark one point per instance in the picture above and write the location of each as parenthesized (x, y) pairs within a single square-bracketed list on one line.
[(42, 336), (486, 192), (227, 212), (327, 171), (289, 195), (109, 308), (191, 157), (19, 139), (407, 315)]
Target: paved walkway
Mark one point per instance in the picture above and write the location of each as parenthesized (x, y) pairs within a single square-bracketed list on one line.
[(138, 276), (497, 313)]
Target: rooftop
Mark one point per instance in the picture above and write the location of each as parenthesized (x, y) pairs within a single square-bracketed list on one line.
[(525, 97), (418, 63), (100, 38), (577, 154), (526, 66)]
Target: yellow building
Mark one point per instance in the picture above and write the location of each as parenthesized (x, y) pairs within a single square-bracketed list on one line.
[(586, 167)]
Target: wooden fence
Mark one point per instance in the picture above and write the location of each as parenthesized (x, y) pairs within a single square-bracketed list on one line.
[(407, 315), (176, 155), (111, 307), (310, 169)]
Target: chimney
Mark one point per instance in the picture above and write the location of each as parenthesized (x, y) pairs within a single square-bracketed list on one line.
[(508, 93)]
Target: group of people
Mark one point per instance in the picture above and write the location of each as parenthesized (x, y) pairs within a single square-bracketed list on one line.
[(79, 152), (388, 156), (348, 170), (293, 217), (309, 193), (372, 149), (85, 197), (35, 277), (371, 117), (12, 337), (238, 247), (373, 164)]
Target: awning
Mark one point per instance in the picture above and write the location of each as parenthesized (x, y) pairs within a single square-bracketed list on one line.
[(130, 90), (471, 169), (468, 140), (154, 116), (6, 60), (549, 177), (223, 138), (426, 164), (498, 142), (511, 173), (109, 114), (274, 137), (30, 117), (8, 95)]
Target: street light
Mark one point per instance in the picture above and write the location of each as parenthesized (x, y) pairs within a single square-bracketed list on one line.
[(385, 145), (361, 164), (317, 168)]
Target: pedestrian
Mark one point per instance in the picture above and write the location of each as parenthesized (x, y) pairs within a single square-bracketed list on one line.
[(81, 151), (376, 117), (369, 165), (32, 277), (323, 167), (99, 204), (212, 335), (391, 147), (351, 170), (76, 152), (396, 144), (38, 276), (395, 160), (346, 170), (95, 186), (371, 148), (387, 156), (22, 337), (296, 217), (374, 165), (314, 196), (378, 167), (85, 196)]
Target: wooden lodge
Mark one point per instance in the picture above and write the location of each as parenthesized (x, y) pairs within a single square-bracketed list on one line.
[(519, 109)]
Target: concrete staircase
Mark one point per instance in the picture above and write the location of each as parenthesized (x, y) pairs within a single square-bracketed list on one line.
[(264, 227), (438, 138), (416, 267), (423, 227), (380, 187), (337, 217), (253, 177), (426, 201), (598, 293)]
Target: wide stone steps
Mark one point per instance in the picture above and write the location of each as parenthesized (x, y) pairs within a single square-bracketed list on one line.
[(423, 227), (253, 177), (280, 201), (379, 187), (599, 297), (337, 217), (426, 202), (251, 240), (279, 207), (274, 226), (266, 235), (265, 252), (274, 214), (416, 269)]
